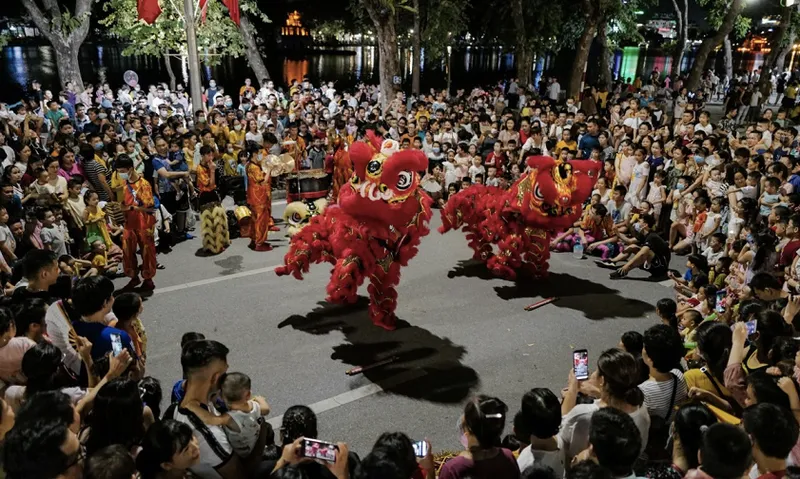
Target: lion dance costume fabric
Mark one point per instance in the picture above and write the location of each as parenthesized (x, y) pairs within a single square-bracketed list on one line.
[(510, 230), (372, 231)]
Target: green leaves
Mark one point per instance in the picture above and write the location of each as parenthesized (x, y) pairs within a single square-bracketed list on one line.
[(217, 36)]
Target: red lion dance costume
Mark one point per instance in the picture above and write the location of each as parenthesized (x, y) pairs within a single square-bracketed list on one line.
[(520, 221), (373, 230)]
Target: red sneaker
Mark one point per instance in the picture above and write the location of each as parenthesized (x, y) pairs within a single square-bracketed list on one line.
[(148, 285), (264, 247), (132, 284), (274, 228)]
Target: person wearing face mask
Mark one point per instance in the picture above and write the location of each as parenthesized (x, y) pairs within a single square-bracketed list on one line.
[(138, 205), (236, 137)]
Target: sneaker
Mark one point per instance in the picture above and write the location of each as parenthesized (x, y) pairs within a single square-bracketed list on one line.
[(148, 285), (606, 263), (274, 228), (264, 247), (188, 236), (618, 274)]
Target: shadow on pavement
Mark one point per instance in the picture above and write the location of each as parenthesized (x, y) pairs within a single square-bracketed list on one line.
[(230, 265), (595, 301), (437, 361)]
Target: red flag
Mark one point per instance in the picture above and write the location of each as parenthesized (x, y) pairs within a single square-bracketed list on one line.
[(203, 10), (148, 10), (233, 9)]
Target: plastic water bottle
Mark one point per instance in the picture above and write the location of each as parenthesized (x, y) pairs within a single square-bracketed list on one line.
[(577, 250)]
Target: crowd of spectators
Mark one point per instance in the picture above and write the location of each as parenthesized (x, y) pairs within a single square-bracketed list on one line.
[(710, 392)]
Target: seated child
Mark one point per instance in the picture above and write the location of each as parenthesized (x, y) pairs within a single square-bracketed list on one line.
[(99, 259), (719, 272), (127, 308), (689, 322)]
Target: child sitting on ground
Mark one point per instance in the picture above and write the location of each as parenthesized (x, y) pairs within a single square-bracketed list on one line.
[(719, 272), (689, 322), (666, 309), (99, 259)]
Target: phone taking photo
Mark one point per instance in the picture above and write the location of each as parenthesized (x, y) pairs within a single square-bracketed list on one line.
[(116, 344), (315, 449), (420, 448), (580, 364)]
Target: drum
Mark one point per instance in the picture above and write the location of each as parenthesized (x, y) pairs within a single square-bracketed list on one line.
[(307, 185)]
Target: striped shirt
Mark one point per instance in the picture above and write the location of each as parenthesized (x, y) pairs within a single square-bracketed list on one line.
[(93, 171), (658, 395)]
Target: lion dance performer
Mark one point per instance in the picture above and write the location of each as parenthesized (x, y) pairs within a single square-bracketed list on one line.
[(520, 221), (140, 221), (213, 219), (259, 199), (342, 166), (372, 232)]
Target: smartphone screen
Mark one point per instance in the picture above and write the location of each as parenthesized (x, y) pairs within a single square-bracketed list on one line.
[(321, 450), (116, 344), (751, 327), (420, 448), (580, 364), (720, 308)]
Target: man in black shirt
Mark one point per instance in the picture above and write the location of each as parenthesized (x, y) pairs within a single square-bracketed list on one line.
[(40, 268), (654, 255)]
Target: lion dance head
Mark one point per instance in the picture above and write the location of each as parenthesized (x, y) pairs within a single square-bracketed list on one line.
[(384, 189), (299, 213), (551, 195)]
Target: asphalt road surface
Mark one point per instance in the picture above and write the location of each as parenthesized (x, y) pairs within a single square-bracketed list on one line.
[(461, 332)]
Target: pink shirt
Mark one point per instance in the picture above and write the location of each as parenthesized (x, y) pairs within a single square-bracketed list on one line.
[(75, 170), (11, 359)]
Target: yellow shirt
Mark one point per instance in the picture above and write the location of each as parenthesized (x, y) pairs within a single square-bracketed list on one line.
[(229, 164), (100, 260), (235, 138), (118, 186), (188, 155)]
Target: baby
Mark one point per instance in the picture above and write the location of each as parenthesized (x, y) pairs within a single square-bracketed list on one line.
[(243, 420)]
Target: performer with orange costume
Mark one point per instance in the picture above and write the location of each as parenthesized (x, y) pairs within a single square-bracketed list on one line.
[(139, 206), (259, 199), (342, 167)]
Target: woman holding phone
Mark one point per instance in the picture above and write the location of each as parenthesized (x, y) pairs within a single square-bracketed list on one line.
[(617, 376)]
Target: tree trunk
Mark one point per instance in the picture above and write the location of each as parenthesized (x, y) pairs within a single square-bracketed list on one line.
[(66, 46), (523, 51), (680, 41), (767, 69), (591, 17), (712, 42), (251, 50), (416, 46), (780, 63), (385, 21), (605, 55), (727, 57), (68, 66), (171, 73)]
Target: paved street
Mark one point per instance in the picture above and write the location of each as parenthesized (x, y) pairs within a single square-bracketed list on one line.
[(461, 332)]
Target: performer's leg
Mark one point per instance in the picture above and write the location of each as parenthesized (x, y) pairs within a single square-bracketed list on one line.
[(129, 262), (260, 227), (346, 277), (148, 247), (383, 297)]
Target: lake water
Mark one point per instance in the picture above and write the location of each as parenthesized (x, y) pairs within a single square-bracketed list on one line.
[(347, 67)]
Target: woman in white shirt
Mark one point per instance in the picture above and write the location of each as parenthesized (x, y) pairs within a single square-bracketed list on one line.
[(253, 134), (616, 378), (541, 416), (56, 185)]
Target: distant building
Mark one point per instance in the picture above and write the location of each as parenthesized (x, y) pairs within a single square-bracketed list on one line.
[(18, 28), (294, 26)]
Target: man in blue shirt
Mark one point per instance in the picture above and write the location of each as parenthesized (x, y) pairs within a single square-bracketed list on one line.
[(93, 298), (590, 139)]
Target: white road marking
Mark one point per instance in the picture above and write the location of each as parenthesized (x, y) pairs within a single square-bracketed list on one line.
[(204, 282), (356, 394)]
